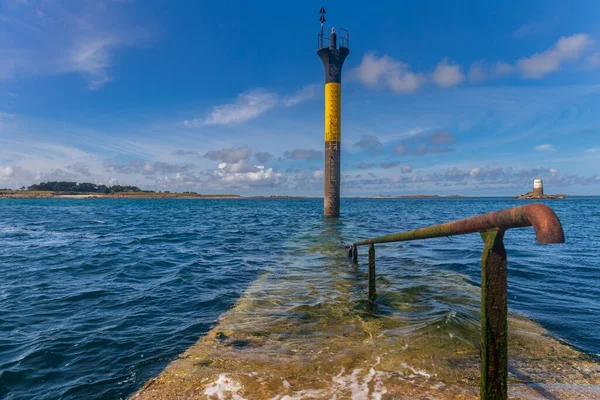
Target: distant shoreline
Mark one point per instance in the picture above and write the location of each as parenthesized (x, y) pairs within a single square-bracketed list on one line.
[(19, 194), (25, 194)]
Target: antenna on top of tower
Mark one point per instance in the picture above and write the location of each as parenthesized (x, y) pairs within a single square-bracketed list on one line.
[(322, 20)]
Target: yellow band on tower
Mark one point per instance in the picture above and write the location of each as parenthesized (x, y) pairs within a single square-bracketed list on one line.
[(333, 117)]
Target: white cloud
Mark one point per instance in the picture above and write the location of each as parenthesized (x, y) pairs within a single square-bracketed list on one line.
[(568, 48), (447, 75), (307, 93), (7, 171), (240, 174), (593, 150), (405, 169), (481, 71), (375, 71), (545, 147)]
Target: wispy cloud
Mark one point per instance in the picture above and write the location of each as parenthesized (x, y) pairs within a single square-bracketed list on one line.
[(544, 147), (592, 61), (593, 150), (302, 154), (389, 164), (143, 167), (364, 165), (80, 168), (370, 143), (481, 71), (92, 57), (533, 28), (249, 105), (568, 48), (308, 92), (420, 145), (263, 157), (58, 37), (231, 155)]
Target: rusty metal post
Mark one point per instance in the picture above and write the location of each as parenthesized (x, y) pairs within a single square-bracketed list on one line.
[(372, 272), (494, 324), (354, 254), (332, 179)]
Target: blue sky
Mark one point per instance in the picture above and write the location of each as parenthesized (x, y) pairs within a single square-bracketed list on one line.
[(227, 97)]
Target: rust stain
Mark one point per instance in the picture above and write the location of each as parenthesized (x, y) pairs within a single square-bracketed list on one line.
[(541, 217)]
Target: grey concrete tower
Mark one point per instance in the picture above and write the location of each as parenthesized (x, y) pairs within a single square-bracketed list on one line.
[(333, 57)]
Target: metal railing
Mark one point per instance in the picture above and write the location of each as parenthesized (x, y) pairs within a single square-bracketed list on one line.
[(343, 39), (494, 308)]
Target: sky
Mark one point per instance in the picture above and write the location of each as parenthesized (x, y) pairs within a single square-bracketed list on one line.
[(470, 97)]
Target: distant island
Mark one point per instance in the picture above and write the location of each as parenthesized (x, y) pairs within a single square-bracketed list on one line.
[(538, 193), (419, 196), (92, 190), (533, 196)]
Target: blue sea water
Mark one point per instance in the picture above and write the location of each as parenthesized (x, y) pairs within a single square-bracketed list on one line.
[(99, 295)]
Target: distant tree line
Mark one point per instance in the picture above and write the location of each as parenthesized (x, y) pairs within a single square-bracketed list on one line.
[(81, 187)]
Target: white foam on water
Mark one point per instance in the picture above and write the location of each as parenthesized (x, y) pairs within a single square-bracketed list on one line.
[(416, 371), (352, 383), (222, 386), (379, 388), (450, 316), (359, 386), (356, 383)]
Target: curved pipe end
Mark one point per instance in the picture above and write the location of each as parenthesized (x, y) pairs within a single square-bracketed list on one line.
[(546, 224)]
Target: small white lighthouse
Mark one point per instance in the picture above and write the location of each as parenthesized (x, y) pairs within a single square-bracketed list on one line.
[(538, 187)]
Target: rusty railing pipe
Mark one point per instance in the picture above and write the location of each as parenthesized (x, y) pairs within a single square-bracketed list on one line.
[(544, 221), (494, 306)]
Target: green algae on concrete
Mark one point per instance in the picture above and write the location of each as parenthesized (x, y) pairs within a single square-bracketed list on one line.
[(306, 330)]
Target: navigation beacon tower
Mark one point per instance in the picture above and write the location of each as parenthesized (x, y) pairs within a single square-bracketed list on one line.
[(538, 187), (333, 58)]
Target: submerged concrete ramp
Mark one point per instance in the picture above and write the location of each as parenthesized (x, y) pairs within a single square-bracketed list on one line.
[(306, 331)]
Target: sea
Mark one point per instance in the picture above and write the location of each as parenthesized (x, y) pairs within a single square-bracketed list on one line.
[(99, 295)]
